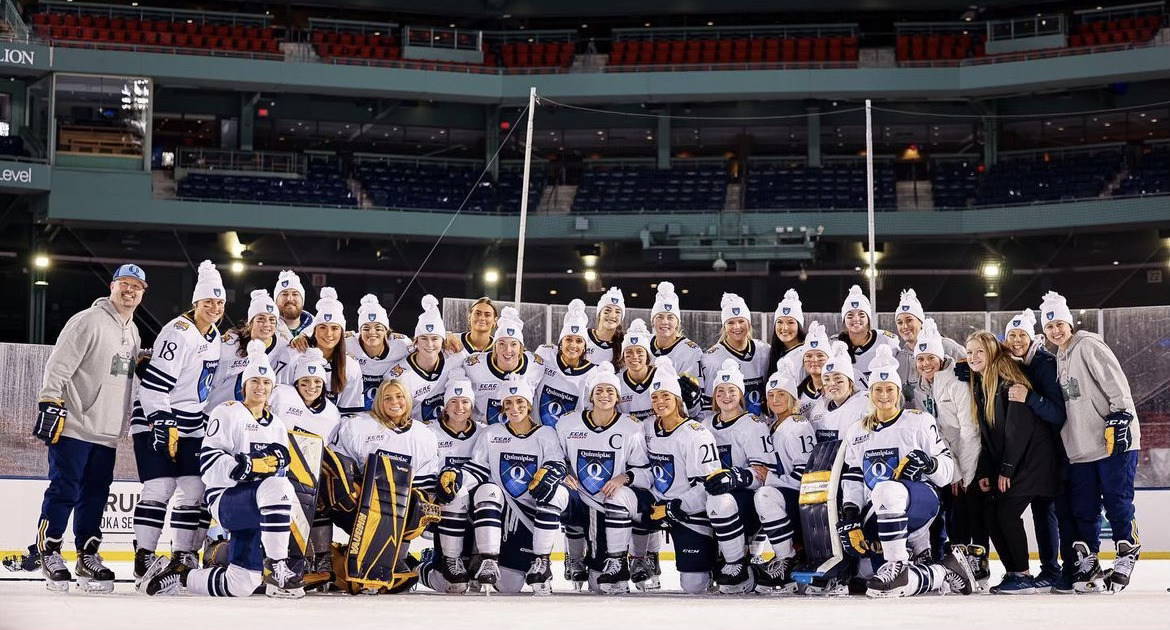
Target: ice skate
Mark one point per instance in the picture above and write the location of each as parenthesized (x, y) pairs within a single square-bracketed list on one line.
[(615, 576), (539, 576), (575, 572), (891, 580), (281, 581)]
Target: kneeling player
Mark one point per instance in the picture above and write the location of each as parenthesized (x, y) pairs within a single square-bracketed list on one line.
[(514, 475), (244, 452), (894, 463), (606, 451)]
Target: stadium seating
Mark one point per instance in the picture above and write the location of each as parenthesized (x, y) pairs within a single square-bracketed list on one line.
[(954, 183), (443, 187), (1120, 31), (1150, 176), (64, 28), (831, 187), (339, 47), (839, 49), (1046, 178), (323, 185), (648, 189), (938, 47)]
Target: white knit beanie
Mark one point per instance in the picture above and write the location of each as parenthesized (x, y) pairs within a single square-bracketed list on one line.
[(884, 367), (603, 374), (612, 297), (856, 301), (261, 304), (783, 379), (509, 326), (666, 300), (311, 363), (329, 309), (209, 284), (929, 340), (841, 363), (732, 306), (370, 311), (289, 279), (909, 303), (666, 379), (1025, 321), (458, 386), (431, 320), (1055, 309), (817, 338), (790, 306), (576, 321), (258, 366), (516, 385), (637, 335), (728, 374)]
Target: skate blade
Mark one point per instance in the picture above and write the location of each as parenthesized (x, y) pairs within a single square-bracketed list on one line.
[(57, 587), (649, 585), (614, 589), (785, 590), (876, 594), (457, 588), (542, 589), (1091, 588), (735, 589), (86, 585), (284, 593), (578, 586)]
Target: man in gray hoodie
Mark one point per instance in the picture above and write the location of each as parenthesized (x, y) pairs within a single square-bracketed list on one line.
[(82, 408)]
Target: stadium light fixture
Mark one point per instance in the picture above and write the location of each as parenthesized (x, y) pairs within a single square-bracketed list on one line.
[(237, 267), (991, 271), (590, 275), (491, 277), (590, 260), (42, 261)]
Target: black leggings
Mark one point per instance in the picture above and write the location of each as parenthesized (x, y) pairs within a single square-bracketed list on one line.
[(966, 520), (1006, 527)]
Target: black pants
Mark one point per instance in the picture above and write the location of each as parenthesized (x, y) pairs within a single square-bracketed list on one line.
[(1006, 526), (965, 516)]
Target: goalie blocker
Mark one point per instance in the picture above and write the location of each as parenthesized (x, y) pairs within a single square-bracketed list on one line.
[(820, 489)]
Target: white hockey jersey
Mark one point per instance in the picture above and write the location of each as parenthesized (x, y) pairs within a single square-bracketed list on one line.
[(415, 445), (753, 362), (233, 430), (808, 397), (741, 442), (487, 378), (455, 448), (510, 460), (830, 421), (350, 398), (425, 388), (396, 348), (561, 386), (865, 353), (680, 460), (596, 455), (226, 384), (323, 420), (177, 379), (597, 350), (635, 396), (873, 456), (684, 355), (466, 349), (791, 442)]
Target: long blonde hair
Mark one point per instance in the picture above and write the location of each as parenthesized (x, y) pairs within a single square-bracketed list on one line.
[(1001, 368), (870, 421), (376, 406)]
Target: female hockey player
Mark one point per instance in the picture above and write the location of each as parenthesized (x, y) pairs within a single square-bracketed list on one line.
[(1018, 461), (424, 370), (604, 341), (513, 478), (860, 336), (788, 331), (481, 325), (488, 370), (243, 458), (807, 363), (668, 339), (565, 367), (909, 320), (895, 461), (374, 346), (742, 441), (842, 405), (344, 384), (1101, 437), (606, 453), (790, 441), (233, 355), (639, 373), (682, 456), (736, 342), (168, 421)]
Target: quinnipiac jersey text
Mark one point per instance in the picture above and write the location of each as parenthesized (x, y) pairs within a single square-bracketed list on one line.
[(233, 430), (874, 456), (396, 347), (323, 420), (455, 448), (177, 379), (487, 379), (227, 383), (510, 460), (598, 454), (415, 445), (753, 362), (831, 422), (560, 387)]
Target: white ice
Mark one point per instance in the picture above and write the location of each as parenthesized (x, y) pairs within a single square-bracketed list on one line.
[(26, 605)]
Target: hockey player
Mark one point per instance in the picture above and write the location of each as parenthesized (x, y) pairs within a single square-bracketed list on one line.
[(682, 456), (609, 474), (227, 384), (81, 407), (343, 385), (788, 331), (424, 370), (290, 301), (807, 363), (736, 342), (389, 427), (842, 405), (374, 346), (565, 367), (909, 319), (488, 370), (604, 341), (668, 339), (742, 441), (895, 461), (243, 459), (481, 325), (860, 336), (790, 440), (513, 478), (638, 374), (167, 425), (1102, 438)]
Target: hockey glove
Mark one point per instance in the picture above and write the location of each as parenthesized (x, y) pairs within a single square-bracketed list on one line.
[(692, 392), (547, 479), (166, 433), (667, 511), (450, 480), (50, 421), (1117, 435), (254, 467), (280, 452), (726, 480), (849, 531), (962, 371), (915, 465)]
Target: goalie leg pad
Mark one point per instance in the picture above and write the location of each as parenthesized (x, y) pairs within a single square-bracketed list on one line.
[(818, 505), (380, 526)]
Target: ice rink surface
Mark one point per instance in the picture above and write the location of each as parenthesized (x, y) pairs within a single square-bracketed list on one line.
[(26, 605)]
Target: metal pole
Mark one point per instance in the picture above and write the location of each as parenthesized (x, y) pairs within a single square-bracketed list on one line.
[(524, 196), (871, 270)]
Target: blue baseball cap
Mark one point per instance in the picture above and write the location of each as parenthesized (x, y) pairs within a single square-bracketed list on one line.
[(131, 271)]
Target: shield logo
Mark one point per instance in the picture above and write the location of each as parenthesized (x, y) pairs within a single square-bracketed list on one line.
[(1049, 315), (430, 328), (905, 307), (613, 300), (594, 469), (854, 304), (574, 329), (328, 317), (922, 347), (1015, 323), (458, 391), (269, 307), (813, 344), (371, 316), (512, 391), (773, 384), (662, 467), (667, 307), (735, 310), (263, 370), (217, 292), (633, 341), (726, 378), (786, 310), (511, 332), (312, 369), (657, 385), (885, 376), (284, 283), (516, 471)]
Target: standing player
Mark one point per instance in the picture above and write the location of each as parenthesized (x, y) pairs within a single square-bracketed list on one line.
[(228, 383), (604, 342), (1102, 438), (481, 325), (638, 374), (565, 367), (807, 363), (374, 346), (735, 342), (860, 336), (788, 332), (909, 319), (244, 456), (81, 407), (290, 302), (668, 339), (168, 422), (343, 383), (424, 370), (842, 406), (488, 370)]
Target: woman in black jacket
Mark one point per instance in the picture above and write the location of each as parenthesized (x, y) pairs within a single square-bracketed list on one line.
[(1018, 462)]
